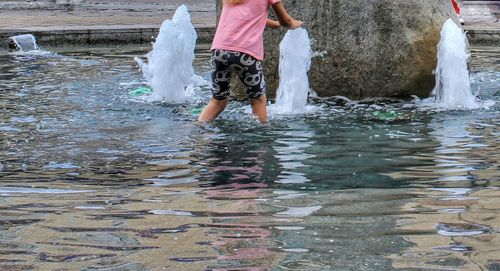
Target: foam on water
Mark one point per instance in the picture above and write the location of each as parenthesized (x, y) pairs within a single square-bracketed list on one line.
[(295, 62), (453, 87), (169, 70)]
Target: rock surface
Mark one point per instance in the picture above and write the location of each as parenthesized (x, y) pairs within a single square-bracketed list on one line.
[(373, 48)]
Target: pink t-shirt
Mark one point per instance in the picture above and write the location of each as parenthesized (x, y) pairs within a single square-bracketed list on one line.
[(241, 27)]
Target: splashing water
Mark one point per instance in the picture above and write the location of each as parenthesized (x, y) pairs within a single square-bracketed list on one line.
[(453, 88), (24, 43), (169, 70), (295, 62)]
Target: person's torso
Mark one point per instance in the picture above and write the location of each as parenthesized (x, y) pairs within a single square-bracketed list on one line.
[(241, 27)]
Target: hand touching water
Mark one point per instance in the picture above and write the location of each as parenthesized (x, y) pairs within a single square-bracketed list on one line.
[(284, 19), (295, 24)]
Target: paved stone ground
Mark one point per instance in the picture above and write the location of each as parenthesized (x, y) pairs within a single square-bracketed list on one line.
[(108, 19), (104, 14), (19, 14), (481, 15)]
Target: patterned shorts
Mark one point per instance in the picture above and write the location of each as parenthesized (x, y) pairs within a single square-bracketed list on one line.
[(248, 69)]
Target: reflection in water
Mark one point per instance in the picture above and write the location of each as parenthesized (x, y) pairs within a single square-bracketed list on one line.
[(455, 142), (290, 150), (236, 180), (92, 179), (458, 200)]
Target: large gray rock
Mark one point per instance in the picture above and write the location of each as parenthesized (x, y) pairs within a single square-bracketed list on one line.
[(373, 48)]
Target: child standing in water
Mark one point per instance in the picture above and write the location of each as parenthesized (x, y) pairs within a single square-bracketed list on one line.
[(238, 47)]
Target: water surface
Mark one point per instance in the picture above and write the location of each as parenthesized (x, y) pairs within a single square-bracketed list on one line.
[(94, 179)]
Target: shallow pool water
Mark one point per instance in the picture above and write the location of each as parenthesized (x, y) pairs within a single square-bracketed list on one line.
[(92, 178)]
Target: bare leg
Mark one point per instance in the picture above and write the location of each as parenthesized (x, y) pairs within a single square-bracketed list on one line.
[(259, 108), (213, 109)]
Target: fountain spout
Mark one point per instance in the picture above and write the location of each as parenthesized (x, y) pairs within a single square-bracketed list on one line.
[(295, 62), (24, 43), (453, 90), (170, 65)]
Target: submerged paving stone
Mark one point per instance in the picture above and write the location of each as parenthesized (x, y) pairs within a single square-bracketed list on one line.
[(494, 265), (120, 267), (449, 262)]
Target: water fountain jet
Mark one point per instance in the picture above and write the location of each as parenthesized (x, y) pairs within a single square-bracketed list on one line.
[(453, 88), (23, 43), (169, 70), (295, 62)]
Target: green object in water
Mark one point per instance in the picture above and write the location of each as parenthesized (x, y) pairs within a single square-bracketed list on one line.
[(197, 110), (390, 115), (140, 91)]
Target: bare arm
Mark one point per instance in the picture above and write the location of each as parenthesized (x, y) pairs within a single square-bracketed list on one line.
[(273, 24), (285, 19)]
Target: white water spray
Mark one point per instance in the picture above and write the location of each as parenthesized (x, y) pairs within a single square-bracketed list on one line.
[(169, 70), (295, 62), (453, 89), (24, 43)]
